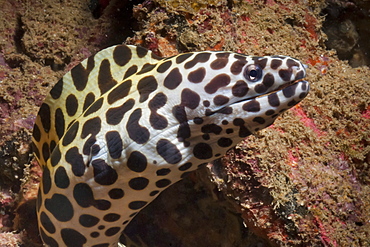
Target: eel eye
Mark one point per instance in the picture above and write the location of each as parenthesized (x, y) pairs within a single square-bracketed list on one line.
[(253, 73)]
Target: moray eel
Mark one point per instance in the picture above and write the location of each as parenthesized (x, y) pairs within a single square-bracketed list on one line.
[(125, 124)]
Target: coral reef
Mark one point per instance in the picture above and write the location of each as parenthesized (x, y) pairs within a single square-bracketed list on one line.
[(302, 182)]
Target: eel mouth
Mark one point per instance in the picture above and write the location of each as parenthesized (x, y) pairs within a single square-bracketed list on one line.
[(281, 87), (285, 86)]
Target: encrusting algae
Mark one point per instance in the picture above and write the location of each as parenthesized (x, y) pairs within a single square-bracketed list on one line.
[(302, 181)]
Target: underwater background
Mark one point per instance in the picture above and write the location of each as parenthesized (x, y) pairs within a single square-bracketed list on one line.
[(304, 181)]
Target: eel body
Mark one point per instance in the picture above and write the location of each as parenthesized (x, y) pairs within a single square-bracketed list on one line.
[(125, 124)]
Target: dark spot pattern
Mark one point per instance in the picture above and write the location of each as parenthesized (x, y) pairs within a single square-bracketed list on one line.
[(189, 98), (252, 106), (285, 74), (45, 151), (112, 231), (60, 207), (163, 172), (80, 76), (71, 134), (292, 103), (198, 120), (299, 75), (59, 123), (122, 55), (141, 51), (168, 151), (197, 75), (156, 57), (119, 92), (84, 197), (116, 193), (221, 61), (206, 137), (57, 90), (199, 58), (146, 86), (156, 120), (268, 81), (163, 67), (88, 145), (229, 131), (114, 143), (275, 63), (220, 100), (173, 79), (146, 68), (55, 156), (259, 120), (137, 133), (111, 217), (202, 151), (224, 142), (71, 105), (48, 240), (217, 82), (105, 79), (138, 183), (130, 71), (206, 103), (91, 127), (181, 58), (46, 223), (184, 130), (94, 107), (37, 133), (52, 145), (237, 66), (46, 180), (290, 63), (95, 149), (44, 114), (290, 91), (137, 162), (135, 205), (72, 237), (211, 128), (115, 115), (154, 192), (260, 61), (273, 100), (133, 214), (104, 174), (243, 131), (88, 220), (269, 112), (162, 183), (302, 95), (61, 178), (75, 159), (185, 166)]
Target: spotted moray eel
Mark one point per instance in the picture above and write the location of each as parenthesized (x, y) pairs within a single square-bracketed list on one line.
[(125, 124)]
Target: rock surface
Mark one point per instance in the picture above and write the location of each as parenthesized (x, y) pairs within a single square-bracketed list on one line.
[(302, 182)]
